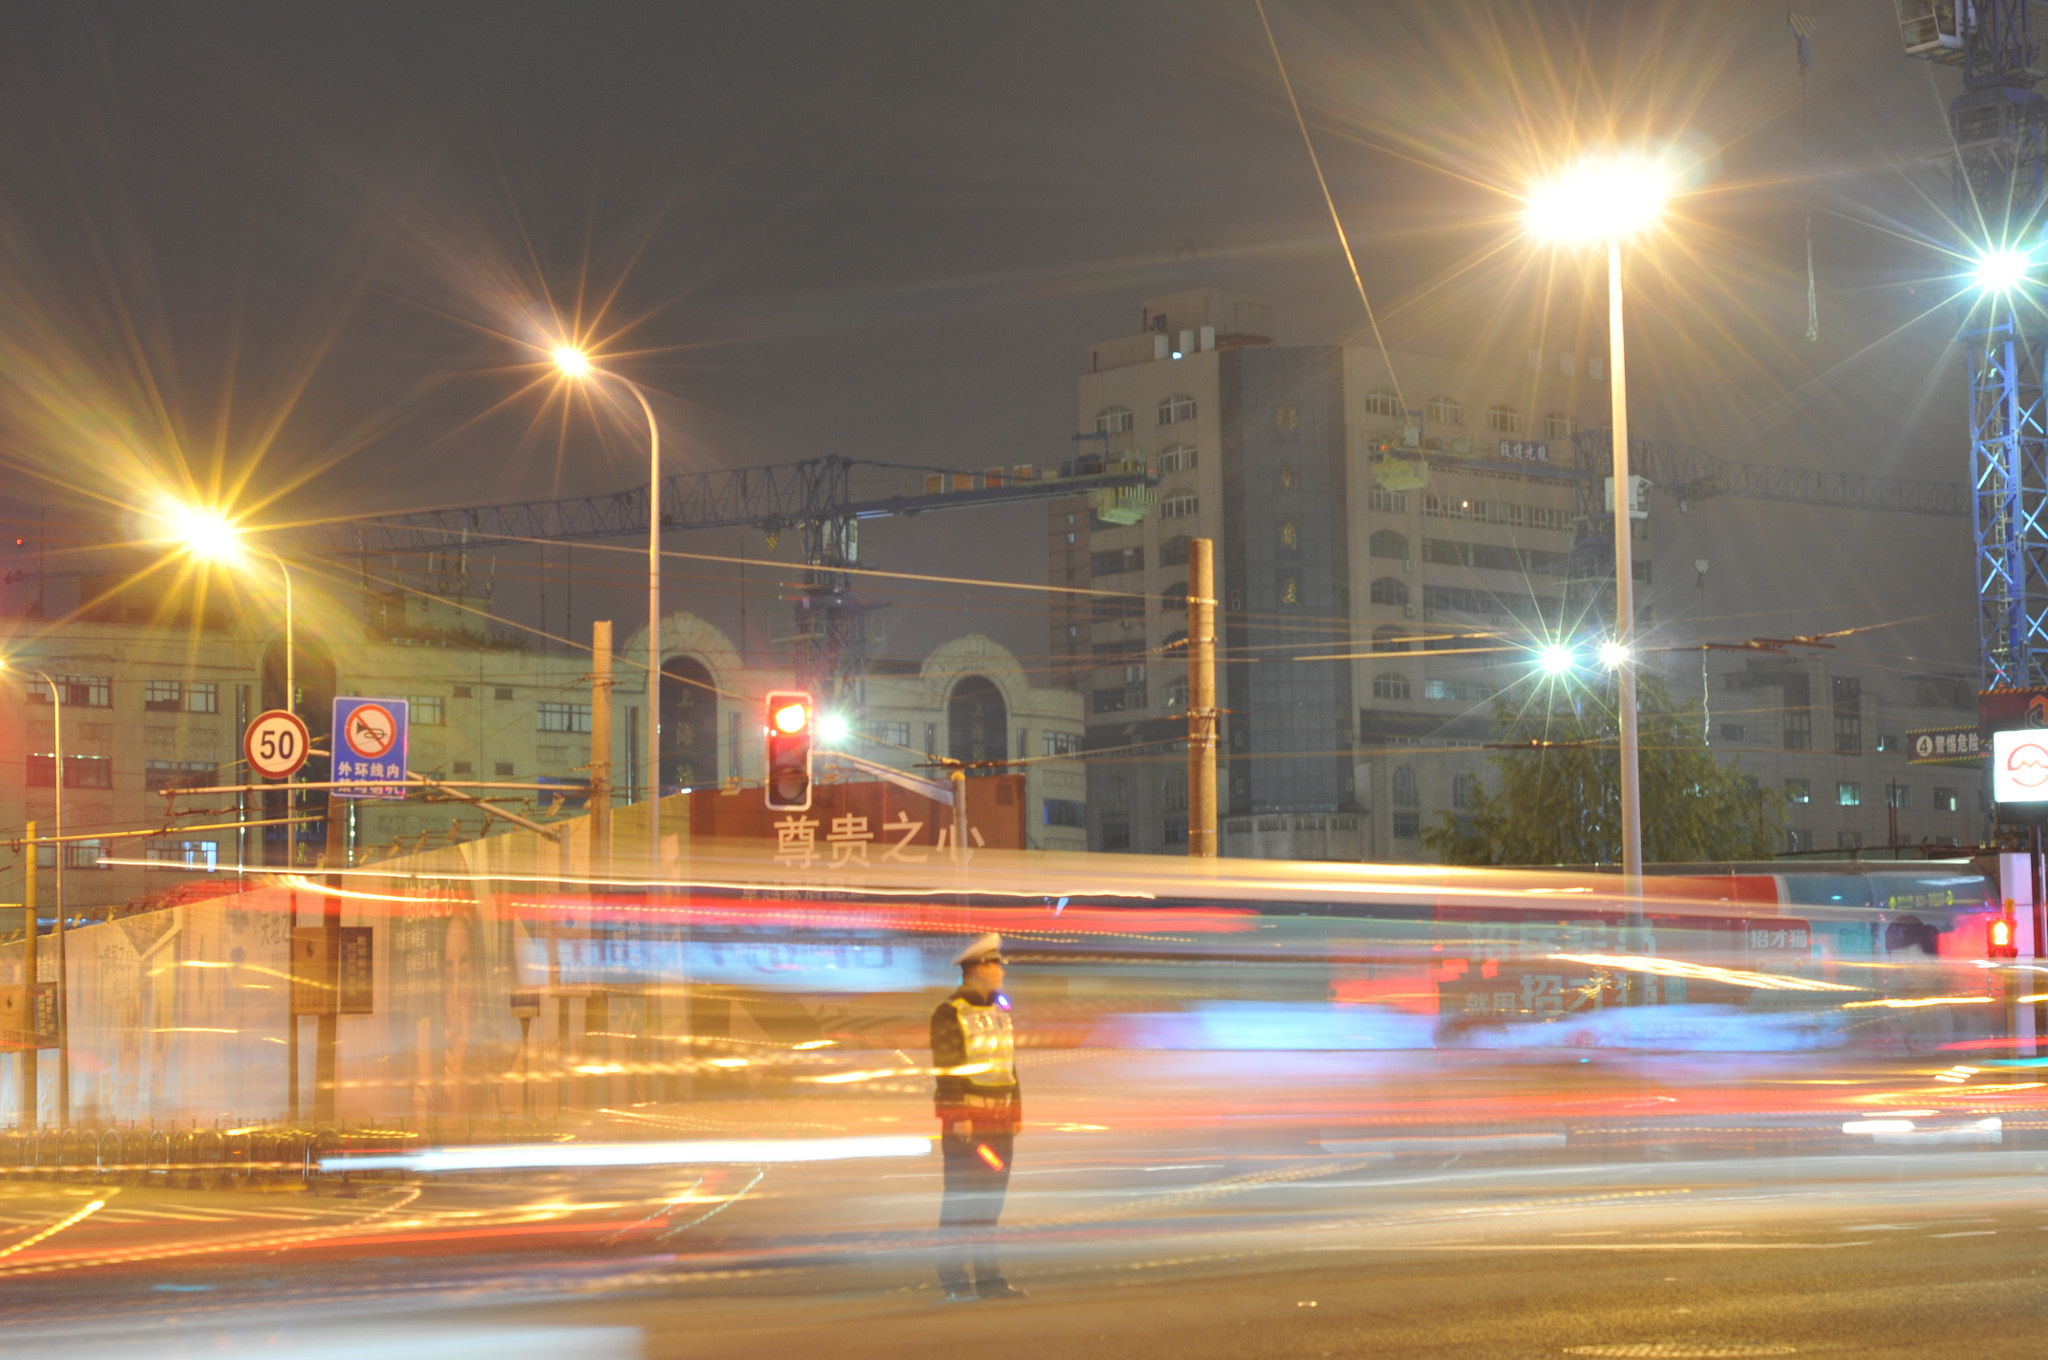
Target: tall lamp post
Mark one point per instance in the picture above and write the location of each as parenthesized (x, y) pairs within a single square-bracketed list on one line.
[(29, 983), (1611, 199), (574, 363)]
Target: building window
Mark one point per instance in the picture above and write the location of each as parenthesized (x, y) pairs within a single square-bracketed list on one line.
[(1060, 743), (1797, 841), (1387, 543), (80, 691), (888, 733), (426, 710), (1444, 411), (1888, 743), (1116, 833), (1113, 420), (1383, 403), (1558, 425), (1183, 506), (1174, 599), (158, 775), (1179, 458), (189, 854), (1464, 691), (1115, 561), (1386, 639), (1462, 785), (1503, 420), (1898, 795), (1388, 502), (1944, 799), (1389, 685), (1176, 700), (466, 767), (1390, 590), (1174, 551), (1176, 409), (1849, 840), (1407, 790), (80, 772), (461, 691), (1798, 791), (162, 696), (1734, 732), (504, 769), (1798, 730), (1116, 795), (1848, 793), (505, 691), (1066, 812), (1848, 708), (561, 717), (77, 855)]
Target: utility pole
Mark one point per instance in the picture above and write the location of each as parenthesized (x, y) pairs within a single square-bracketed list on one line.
[(29, 1090), (601, 750), (1202, 699), (327, 1042)]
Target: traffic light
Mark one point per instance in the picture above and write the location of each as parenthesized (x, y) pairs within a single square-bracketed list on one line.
[(788, 787), (2001, 938)]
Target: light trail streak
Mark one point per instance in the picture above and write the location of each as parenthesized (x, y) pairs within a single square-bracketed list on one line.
[(569, 1156), (1767, 982), (59, 1226)]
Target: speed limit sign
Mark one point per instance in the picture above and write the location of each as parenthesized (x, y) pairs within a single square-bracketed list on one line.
[(275, 744)]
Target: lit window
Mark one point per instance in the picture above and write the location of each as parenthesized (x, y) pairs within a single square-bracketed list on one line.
[(1798, 791), (1114, 420), (1503, 420), (1849, 794), (1444, 411)]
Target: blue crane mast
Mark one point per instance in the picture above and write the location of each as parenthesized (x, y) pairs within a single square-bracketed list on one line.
[(1999, 125)]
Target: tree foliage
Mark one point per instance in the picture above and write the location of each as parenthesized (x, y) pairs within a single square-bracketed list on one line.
[(1558, 799)]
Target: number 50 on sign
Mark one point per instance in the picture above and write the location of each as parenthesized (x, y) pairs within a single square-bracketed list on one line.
[(275, 744)]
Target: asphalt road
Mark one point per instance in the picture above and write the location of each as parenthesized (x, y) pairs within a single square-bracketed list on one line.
[(1929, 1252)]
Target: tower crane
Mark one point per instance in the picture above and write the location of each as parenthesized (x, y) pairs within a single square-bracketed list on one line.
[(823, 500), (1999, 124)]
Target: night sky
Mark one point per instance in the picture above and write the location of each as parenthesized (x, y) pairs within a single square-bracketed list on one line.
[(296, 256)]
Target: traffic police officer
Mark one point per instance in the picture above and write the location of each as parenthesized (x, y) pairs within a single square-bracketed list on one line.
[(980, 1111)]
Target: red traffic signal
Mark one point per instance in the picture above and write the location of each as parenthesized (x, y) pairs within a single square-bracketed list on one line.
[(2001, 938), (788, 787)]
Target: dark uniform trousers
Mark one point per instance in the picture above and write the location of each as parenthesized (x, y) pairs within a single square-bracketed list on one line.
[(975, 1187)]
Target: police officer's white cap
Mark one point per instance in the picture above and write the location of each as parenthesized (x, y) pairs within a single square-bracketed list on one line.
[(984, 949)]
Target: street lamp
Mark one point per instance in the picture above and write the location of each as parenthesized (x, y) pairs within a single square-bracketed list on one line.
[(211, 537), (28, 950), (1610, 199), (573, 363)]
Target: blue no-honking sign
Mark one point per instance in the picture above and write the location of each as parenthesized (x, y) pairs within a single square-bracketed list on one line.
[(369, 744)]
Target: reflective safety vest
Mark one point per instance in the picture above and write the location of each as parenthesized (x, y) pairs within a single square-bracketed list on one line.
[(974, 1061)]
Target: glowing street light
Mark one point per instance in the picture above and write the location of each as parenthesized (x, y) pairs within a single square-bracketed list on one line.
[(833, 727), (1610, 199), (208, 535), (573, 363), (2001, 271), (1555, 659)]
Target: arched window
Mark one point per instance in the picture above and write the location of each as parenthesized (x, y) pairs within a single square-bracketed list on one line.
[(1176, 408), (1383, 403), (1558, 425), (1387, 543), (1387, 639), (1113, 420), (1407, 792), (1390, 685), (977, 721), (1179, 458), (1503, 420), (1462, 784), (1174, 551), (1390, 590), (689, 723), (1174, 600), (1444, 411)]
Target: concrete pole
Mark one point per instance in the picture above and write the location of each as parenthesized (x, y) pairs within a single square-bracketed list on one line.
[(29, 1077), (1202, 840), (1625, 610), (653, 633), (601, 750), (63, 989)]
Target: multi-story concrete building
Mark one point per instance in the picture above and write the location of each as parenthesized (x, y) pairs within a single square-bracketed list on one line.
[(1386, 566)]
